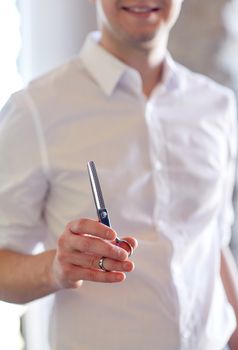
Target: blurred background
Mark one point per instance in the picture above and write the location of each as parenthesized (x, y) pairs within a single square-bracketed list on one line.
[(36, 36)]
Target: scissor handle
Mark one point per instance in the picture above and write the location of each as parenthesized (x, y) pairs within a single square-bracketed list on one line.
[(104, 217), (119, 240)]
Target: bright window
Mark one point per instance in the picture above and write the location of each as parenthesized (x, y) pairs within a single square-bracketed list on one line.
[(10, 42), (10, 81)]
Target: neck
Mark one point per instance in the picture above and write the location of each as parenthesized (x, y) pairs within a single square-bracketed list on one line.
[(147, 60)]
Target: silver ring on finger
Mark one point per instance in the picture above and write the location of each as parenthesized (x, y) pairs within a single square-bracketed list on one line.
[(101, 265)]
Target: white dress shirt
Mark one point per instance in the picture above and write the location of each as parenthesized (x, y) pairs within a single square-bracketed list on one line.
[(166, 165)]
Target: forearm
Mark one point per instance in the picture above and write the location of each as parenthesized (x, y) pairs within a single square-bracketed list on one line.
[(24, 278), (229, 274)]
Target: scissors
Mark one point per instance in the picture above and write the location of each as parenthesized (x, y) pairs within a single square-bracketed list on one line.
[(102, 212)]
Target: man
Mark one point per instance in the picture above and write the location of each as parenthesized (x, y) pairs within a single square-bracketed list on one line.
[(164, 141)]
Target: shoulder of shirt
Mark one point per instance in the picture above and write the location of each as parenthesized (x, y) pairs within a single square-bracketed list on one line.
[(52, 86), (58, 75), (47, 90), (196, 81)]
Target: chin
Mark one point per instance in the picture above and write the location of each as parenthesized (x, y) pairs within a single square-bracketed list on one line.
[(142, 40)]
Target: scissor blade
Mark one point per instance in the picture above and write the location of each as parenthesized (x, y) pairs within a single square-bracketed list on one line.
[(97, 194), (95, 184)]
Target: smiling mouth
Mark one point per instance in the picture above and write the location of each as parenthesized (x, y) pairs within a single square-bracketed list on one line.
[(140, 10)]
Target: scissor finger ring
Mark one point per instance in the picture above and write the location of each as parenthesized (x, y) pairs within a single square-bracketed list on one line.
[(130, 248)]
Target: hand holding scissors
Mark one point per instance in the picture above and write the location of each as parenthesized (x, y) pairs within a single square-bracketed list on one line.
[(87, 248), (102, 212)]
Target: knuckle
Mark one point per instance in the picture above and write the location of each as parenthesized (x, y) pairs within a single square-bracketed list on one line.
[(93, 261), (112, 250), (76, 226), (82, 223), (71, 273), (85, 244)]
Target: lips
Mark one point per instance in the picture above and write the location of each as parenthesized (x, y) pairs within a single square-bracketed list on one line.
[(140, 9)]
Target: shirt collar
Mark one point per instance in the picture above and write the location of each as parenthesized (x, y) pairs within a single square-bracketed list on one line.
[(105, 68), (108, 71)]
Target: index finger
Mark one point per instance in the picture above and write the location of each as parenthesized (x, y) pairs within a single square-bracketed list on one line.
[(93, 228)]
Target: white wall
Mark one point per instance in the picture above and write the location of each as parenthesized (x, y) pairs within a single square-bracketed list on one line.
[(52, 31), (10, 338)]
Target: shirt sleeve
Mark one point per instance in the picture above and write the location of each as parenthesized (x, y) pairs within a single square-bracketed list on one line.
[(227, 209), (23, 178)]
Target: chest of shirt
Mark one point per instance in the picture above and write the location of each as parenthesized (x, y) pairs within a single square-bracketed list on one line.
[(153, 160)]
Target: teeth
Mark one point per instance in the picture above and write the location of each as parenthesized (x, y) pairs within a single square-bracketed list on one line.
[(140, 9)]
